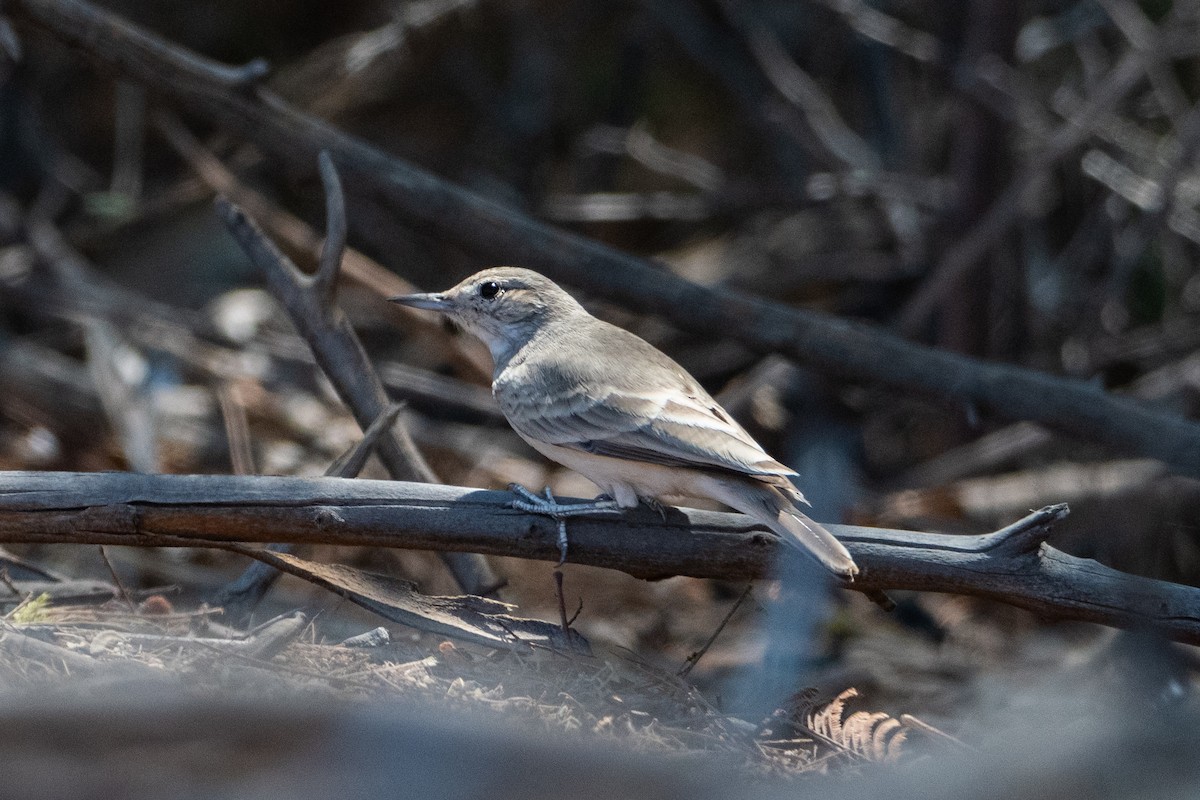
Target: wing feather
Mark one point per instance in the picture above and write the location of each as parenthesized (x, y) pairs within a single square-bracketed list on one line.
[(672, 428), (622, 398)]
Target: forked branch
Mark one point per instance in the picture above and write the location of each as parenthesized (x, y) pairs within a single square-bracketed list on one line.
[(1013, 565)]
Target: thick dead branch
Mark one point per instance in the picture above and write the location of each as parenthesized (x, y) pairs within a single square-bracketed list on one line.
[(247, 590), (502, 234), (311, 304), (1012, 565)]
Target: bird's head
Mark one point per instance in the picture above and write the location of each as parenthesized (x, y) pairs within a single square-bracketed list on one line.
[(503, 306)]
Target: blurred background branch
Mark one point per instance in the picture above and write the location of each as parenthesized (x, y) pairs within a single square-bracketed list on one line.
[(941, 258), (850, 349)]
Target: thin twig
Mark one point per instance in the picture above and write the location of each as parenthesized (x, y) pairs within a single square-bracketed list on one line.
[(695, 657), (562, 604), (237, 428), (8, 583), (575, 616), (1142, 35), (129, 141), (930, 730), (867, 20), (1009, 207), (324, 283), (121, 591), (802, 91), (351, 462)]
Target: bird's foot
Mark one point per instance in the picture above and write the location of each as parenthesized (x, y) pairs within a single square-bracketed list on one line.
[(548, 506), (654, 504)]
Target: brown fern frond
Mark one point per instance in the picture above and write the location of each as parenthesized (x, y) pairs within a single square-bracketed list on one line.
[(821, 731), (876, 736)]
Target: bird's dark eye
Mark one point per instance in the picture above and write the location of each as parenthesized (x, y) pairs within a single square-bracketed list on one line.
[(489, 289)]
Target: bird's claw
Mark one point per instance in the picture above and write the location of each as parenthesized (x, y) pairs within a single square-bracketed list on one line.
[(655, 505), (549, 506), (562, 542)]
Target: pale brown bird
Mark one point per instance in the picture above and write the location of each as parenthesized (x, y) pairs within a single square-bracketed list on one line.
[(609, 405)]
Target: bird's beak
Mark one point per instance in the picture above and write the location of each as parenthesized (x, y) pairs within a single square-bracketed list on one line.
[(433, 301)]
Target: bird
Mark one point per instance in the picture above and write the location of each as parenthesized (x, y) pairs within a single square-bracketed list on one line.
[(609, 405)]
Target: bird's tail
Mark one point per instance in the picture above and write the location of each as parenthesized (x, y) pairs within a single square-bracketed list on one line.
[(777, 507)]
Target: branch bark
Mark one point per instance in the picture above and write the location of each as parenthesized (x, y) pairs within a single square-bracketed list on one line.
[(229, 97), (1013, 565)]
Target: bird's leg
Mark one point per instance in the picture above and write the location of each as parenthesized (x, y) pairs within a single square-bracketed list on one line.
[(548, 506), (650, 502)]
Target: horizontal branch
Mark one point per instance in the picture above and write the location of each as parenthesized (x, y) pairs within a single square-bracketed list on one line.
[(1012, 565), (500, 234)]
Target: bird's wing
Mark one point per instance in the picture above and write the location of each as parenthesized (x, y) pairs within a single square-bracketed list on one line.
[(670, 426)]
